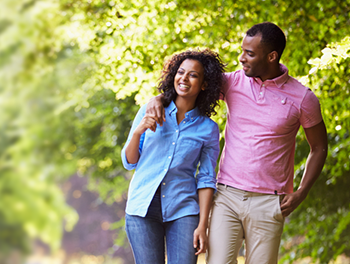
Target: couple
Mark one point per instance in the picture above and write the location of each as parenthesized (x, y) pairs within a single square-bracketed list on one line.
[(170, 198)]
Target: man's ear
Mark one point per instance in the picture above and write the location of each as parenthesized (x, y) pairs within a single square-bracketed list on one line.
[(273, 56)]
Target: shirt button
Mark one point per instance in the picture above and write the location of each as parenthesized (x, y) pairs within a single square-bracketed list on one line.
[(169, 157), (261, 93), (263, 85), (163, 183), (283, 102), (184, 122), (177, 131), (164, 169), (163, 196), (173, 143)]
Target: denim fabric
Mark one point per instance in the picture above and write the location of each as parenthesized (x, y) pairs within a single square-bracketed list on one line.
[(147, 236), (169, 158)]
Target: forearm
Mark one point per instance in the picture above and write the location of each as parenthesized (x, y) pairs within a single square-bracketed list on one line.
[(205, 197), (132, 150), (313, 168)]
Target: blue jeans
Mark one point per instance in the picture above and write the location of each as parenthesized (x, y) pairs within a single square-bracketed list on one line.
[(146, 237)]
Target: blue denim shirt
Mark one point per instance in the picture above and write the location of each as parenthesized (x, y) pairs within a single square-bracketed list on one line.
[(169, 158)]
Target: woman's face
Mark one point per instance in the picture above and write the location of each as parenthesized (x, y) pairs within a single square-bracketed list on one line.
[(189, 79)]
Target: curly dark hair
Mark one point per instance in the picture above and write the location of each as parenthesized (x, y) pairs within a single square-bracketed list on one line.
[(214, 68)]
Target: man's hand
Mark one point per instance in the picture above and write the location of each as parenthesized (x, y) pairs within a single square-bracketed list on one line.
[(317, 139), (156, 110), (290, 202)]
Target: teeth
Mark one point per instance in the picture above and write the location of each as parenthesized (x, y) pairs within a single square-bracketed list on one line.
[(184, 86)]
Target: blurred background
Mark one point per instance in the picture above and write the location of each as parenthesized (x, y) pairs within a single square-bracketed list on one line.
[(73, 75)]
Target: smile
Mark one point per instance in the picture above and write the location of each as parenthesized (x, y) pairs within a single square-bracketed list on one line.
[(183, 86)]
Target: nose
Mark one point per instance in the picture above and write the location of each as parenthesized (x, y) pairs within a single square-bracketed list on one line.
[(185, 77), (242, 58)]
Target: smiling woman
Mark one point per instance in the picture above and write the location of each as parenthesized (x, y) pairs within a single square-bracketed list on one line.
[(189, 81), (213, 68), (167, 197)]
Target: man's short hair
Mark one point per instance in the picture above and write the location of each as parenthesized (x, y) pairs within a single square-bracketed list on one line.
[(271, 36)]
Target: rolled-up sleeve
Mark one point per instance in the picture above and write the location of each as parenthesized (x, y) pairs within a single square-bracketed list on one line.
[(140, 114), (206, 177)]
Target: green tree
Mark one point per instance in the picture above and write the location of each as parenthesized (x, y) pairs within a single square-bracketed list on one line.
[(75, 72), (322, 223)]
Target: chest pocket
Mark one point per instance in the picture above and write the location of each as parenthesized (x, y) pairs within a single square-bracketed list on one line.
[(282, 118), (188, 150), (280, 108)]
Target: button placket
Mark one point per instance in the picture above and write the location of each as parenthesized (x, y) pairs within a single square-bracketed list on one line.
[(262, 90)]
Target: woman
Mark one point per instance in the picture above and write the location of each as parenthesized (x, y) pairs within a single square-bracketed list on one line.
[(169, 195)]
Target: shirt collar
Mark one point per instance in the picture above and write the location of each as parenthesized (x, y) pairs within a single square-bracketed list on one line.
[(280, 80), (190, 114)]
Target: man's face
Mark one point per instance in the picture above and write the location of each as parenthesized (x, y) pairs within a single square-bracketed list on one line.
[(254, 58)]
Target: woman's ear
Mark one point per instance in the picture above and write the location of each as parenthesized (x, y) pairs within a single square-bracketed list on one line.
[(204, 85)]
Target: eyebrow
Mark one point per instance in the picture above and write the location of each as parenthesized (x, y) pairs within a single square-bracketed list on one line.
[(247, 50), (190, 71)]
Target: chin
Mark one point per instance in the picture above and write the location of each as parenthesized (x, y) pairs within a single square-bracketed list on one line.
[(247, 73)]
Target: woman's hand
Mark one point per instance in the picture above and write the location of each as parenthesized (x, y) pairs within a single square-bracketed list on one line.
[(132, 150), (147, 122), (200, 240)]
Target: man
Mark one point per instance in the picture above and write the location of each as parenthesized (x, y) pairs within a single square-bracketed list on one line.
[(265, 109)]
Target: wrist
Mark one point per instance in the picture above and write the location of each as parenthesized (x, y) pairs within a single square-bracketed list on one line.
[(203, 226), (160, 97), (303, 192), (137, 133)]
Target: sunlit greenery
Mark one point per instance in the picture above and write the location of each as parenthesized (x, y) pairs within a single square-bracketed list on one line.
[(73, 74)]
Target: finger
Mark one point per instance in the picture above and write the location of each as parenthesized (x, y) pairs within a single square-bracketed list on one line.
[(154, 127), (160, 113), (152, 124), (200, 247), (154, 118), (163, 115), (285, 213), (195, 240)]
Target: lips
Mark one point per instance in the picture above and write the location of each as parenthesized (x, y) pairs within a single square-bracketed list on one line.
[(245, 68), (183, 87)]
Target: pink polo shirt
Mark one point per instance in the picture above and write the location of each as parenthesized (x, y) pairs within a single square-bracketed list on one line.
[(263, 119)]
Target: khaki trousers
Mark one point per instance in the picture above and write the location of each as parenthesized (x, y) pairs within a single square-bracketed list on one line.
[(240, 215)]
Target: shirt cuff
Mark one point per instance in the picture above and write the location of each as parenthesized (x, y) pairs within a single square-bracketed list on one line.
[(207, 182), (126, 164)]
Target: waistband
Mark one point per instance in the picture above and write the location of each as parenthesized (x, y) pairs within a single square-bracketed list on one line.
[(247, 193)]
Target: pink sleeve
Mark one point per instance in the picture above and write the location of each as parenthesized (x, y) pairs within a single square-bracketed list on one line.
[(230, 78), (310, 110)]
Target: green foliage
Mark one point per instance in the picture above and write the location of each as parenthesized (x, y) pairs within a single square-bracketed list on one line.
[(75, 72), (324, 218)]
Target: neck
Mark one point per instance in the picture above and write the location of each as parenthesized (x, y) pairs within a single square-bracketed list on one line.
[(272, 73), (183, 106)]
